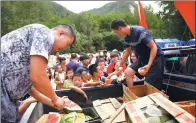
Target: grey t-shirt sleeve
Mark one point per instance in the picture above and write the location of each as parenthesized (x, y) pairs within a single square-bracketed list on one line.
[(41, 42)]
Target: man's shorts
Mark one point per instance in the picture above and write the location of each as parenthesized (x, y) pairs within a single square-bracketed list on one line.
[(155, 74)]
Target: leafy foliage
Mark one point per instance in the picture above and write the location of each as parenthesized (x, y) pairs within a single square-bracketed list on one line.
[(93, 27), (176, 27)]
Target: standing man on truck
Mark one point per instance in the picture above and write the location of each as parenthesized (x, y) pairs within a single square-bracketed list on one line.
[(150, 56)]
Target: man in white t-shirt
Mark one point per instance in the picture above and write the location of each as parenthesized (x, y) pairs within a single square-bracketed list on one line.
[(24, 58)]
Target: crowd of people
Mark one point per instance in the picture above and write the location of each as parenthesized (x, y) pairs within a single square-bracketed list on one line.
[(84, 70)]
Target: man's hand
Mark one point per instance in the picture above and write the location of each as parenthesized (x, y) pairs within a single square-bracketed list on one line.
[(144, 70), (59, 103)]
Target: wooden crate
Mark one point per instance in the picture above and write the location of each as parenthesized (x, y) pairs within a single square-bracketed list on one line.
[(189, 106)]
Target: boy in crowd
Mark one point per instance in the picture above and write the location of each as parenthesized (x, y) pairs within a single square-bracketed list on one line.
[(97, 75), (86, 77), (77, 82), (63, 63)]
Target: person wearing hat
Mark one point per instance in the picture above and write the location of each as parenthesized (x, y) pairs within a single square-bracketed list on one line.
[(24, 58), (150, 62)]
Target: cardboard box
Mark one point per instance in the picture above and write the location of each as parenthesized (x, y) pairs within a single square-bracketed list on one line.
[(178, 113), (134, 109), (106, 108), (169, 106), (189, 106), (134, 113), (139, 91)]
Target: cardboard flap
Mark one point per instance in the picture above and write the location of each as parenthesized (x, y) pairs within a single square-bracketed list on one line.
[(128, 95), (186, 118), (134, 113), (173, 109)]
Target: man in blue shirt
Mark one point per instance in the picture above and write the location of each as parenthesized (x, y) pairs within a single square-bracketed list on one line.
[(73, 64), (150, 55)]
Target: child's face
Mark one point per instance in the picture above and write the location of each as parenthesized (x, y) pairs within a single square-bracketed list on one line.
[(70, 74), (63, 62), (99, 72), (119, 71), (77, 81), (86, 62), (114, 59), (85, 76), (117, 63), (101, 65), (59, 69)]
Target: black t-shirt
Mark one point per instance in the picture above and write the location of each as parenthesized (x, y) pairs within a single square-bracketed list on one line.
[(138, 40)]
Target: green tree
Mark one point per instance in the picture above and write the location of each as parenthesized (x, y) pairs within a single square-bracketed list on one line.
[(175, 24)]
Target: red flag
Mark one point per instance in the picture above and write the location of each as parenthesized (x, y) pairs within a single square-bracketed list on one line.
[(187, 10), (141, 17)]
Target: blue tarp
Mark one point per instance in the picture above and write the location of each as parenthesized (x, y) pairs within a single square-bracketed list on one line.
[(163, 43), (191, 42)]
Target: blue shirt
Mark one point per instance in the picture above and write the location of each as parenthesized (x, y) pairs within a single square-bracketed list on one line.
[(138, 40), (73, 65)]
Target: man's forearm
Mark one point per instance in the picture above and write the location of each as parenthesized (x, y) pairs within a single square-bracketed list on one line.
[(153, 53), (40, 97), (23, 108), (126, 55), (44, 86)]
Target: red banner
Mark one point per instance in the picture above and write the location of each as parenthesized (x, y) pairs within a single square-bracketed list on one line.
[(141, 17), (187, 10)]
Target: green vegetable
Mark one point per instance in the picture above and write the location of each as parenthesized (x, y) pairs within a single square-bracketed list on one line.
[(164, 118), (69, 118), (154, 120), (171, 121), (87, 117)]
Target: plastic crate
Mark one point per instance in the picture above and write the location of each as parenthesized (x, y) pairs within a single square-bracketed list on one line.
[(90, 112), (95, 121)]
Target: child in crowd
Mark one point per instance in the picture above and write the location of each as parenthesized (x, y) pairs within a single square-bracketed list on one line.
[(118, 74), (84, 74), (114, 59), (101, 63), (86, 78), (77, 82), (63, 63), (97, 75), (69, 74), (59, 77)]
